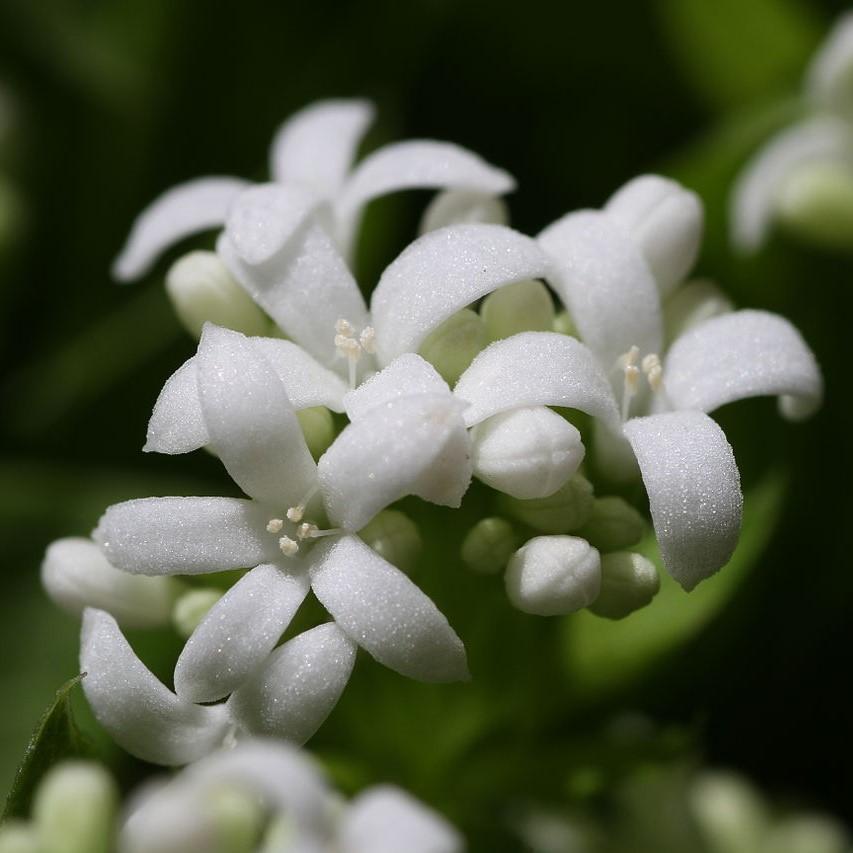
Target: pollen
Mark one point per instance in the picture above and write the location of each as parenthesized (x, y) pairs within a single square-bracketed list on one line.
[(288, 546), (274, 525)]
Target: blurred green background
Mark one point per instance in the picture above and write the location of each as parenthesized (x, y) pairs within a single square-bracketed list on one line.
[(109, 103)]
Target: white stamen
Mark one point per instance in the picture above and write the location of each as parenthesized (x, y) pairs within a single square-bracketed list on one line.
[(306, 530), (344, 327), (295, 513), (288, 546), (274, 525), (367, 339), (653, 370)]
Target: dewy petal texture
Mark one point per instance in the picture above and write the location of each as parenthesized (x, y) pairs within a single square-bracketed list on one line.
[(694, 491), (143, 717), (533, 369), (376, 605), (182, 211), (739, 355), (442, 272), (317, 145), (238, 633), (297, 686), (606, 284), (251, 423), (185, 536)]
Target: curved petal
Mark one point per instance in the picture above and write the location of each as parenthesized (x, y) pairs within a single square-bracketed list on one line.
[(376, 605), (385, 819), (453, 207), (828, 76), (739, 355), (294, 691), (239, 631), (415, 445), (250, 420), (316, 146), (185, 536), (754, 194), (142, 715), (693, 484), (442, 272), (606, 284), (536, 369), (182, 211)]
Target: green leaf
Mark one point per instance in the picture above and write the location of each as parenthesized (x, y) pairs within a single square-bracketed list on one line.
[(602, 655), (55, 738)]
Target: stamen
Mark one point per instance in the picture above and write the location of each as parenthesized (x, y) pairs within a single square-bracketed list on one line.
[(654, 371), (367, 339), (344, 327), (296, 512), (306, 530), (274, 525), (351, 346), (288, 546)]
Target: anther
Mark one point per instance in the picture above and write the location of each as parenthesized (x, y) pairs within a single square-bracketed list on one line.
[(653, 370), (307, 530), (288, 546), (274, 525), (295, 513), (367, 339)]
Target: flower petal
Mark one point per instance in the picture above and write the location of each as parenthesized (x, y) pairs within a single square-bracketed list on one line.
[(376, 605), (442, 272), (415, 445), (409, 374), (316, 146), (185, 536), (250, 420), (182, 211), (606, 284), (828, 76), (239, 631), (693, 484), (453, 207), (138, 711), (739, 355), (385, 819), (294, 691), (536, 369)]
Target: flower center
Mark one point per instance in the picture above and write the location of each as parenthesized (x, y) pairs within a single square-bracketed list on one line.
[(302, 531), (632, 368), (353, 345)]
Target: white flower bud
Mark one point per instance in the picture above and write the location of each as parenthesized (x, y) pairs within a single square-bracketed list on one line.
[(522, 307), (454, 207), (488, 545), (829, 80), (665, 220), (318, 427), (568, 509), (74, 809), (202, 289), (553, 575), (527, 453), (452, 346), (565, 325), (192, 607), (238, 818), (18, 836), (699, 300), (613, 525), (806, 833), (728, 812), (394, 536), (628, 582), (76, 575)]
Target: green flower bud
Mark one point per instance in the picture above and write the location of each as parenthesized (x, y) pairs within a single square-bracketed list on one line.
[(729, 813), (699, 300), (18, 836), (202, 289), (394, 536), (192, 607), (628, 582), (452, 346), (238, 818), (74, 809), (318, 427), (565, 325), (489, 545), (613, 525), (453, 207), (523, 307), (568, 509), (806, 833), (280, 836)]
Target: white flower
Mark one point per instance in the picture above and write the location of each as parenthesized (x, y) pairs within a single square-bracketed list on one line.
[(314, 151)]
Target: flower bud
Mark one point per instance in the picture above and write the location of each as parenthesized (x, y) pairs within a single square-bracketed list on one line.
[(806, 833), (192, 607), (17, 836), (729, 813), (394, 536), (553, 575), (613, 525), (318, 427), (202, 289), (238, 819), (74, 809), (565, 325), (829, 80), (699, 300), (526, 453), (568, 509), (454, 207), (76, 575), (452, 346), (488, 545), (665, 220), (522, 307), (628, 582)]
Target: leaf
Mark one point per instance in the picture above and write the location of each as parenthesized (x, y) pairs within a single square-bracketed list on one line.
[(55, 738), (602, 655)]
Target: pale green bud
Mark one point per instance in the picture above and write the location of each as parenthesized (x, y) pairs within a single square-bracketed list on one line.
[(394, 536), (238, 818), (281, 835), (699, 300), (523, 307), (729, 812), (18, 836), (628, 582), (202, 289), (318, 427), (568, 509), (565, 325), (806, 833), (613, 525), (452, 346), (192, 607), (74, 809), (454, 207), (488, 545)]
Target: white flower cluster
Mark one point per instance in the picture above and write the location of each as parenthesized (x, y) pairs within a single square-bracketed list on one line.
[(434, 393)]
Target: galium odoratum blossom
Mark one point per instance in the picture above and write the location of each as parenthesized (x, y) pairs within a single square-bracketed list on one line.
[(298, 530)]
